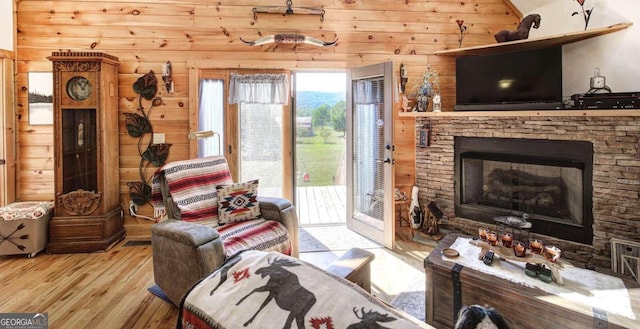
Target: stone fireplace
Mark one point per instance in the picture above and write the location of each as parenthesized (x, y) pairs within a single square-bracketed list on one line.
[(550, 180), (579, 200)]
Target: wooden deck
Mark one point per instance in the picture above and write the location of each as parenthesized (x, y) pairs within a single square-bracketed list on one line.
[(321, 205)]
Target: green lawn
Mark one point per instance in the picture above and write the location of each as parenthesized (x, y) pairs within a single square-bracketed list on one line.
[(318, 159)]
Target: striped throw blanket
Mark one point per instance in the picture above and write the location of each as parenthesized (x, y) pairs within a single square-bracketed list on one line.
[(193, 186), (256, 234)]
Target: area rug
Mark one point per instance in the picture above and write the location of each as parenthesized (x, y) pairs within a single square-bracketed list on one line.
[(412, 299), (159, 293), (424, 240), (332, 238)]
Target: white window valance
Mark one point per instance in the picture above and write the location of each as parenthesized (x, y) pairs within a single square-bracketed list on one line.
[(259, 88)]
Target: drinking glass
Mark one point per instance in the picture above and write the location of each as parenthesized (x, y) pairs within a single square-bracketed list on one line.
[(482, 232), (507, 240), (492, 238), (536, 246), (519, 249), (552, 253)]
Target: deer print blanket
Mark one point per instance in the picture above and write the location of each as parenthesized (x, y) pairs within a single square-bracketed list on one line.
[(258, 289)]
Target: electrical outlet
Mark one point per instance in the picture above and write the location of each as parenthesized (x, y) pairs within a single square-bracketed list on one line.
[(158, 138)]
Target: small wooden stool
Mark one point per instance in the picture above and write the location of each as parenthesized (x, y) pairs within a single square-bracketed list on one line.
[(355, 266)]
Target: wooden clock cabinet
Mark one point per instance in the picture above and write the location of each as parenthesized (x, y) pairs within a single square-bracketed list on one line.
[(88, 216)]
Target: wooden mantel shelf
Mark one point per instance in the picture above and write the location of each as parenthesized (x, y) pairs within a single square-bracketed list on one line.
[(534, 43), (531, 113)]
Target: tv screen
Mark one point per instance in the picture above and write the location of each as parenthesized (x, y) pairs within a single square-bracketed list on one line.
[(530, 79)]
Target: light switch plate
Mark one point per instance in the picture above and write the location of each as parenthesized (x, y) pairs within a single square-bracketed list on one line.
[(158, 138)]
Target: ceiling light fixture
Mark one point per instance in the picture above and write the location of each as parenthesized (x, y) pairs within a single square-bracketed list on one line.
[(288, 10)]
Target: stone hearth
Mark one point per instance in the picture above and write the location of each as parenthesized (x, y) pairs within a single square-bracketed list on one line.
[(616, 171)]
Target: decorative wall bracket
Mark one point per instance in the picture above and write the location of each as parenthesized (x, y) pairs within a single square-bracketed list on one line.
[(166, 77), (138, 125), (403, 78), (288, 10)]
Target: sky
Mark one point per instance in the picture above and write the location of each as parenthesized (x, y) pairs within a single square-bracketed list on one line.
[(41, 83), (319, 81)]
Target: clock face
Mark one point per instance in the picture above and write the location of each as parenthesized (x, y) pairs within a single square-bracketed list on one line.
[(597, 82), (79, 88)]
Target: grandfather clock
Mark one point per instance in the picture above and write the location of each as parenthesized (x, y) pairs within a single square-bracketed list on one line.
[(88, 216)]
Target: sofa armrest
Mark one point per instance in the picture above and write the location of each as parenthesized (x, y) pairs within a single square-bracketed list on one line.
[(183, 253), (190, 234), (282, 210)]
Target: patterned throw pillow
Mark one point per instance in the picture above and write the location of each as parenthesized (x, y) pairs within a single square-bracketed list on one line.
[(238, 202)]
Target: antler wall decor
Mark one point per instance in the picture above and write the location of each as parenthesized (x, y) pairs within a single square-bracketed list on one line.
[(289, 38)]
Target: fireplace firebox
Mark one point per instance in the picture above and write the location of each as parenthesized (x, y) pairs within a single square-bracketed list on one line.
[(551, 180)]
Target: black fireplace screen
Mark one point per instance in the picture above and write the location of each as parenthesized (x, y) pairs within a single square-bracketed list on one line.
[(549, 180), (550, 191)]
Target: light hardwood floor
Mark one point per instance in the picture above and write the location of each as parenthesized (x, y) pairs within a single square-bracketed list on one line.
[(109, 289)]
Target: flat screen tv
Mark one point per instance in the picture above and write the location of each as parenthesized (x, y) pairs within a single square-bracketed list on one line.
[(523, 80)]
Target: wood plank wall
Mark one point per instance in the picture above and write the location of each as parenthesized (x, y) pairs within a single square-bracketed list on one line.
[(144, 34)]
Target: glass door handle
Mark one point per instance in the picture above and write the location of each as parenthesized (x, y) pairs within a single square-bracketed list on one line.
[(387, 160)]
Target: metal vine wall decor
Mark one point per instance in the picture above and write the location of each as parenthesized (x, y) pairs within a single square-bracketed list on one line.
[(463, 29), (586, 13), (138, 125)]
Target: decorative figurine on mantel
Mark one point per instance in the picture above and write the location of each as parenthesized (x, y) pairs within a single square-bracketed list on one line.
[(523, 29), (428, 87)]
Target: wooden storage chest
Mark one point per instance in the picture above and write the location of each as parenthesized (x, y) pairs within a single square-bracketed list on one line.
[(522, 306)]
